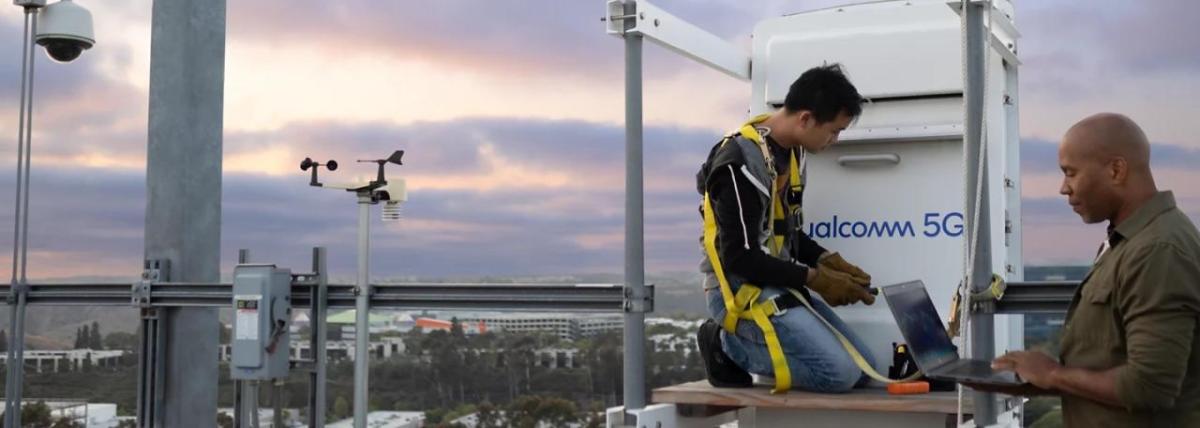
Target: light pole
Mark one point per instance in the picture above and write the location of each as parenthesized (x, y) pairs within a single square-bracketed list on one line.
[(66, 31)]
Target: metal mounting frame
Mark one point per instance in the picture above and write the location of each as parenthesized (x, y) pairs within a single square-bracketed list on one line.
[(1033, 297), (678, 35), (152, 344), (154, 292), (605, 298)]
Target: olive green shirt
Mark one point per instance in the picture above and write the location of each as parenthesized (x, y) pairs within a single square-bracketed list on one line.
[(1137, 310)]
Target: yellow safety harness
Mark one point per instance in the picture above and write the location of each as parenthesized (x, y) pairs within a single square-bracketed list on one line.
[(744, 305)]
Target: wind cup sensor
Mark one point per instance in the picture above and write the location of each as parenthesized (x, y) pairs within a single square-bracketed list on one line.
[(308, 163)]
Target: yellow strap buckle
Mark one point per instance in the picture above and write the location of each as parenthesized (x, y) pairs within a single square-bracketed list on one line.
[(771, 306)]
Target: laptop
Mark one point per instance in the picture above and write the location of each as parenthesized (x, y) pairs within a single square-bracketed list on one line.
[(935, 355)]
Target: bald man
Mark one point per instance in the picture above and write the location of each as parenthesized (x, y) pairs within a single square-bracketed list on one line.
[(1131, 345)]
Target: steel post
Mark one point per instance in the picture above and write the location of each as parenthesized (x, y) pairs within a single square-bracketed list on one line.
[(183, 189), (316, 384), (240, 401), (362, 299), (635, 327), (978, 236), (277, 403), (15, 379), (249, 416)]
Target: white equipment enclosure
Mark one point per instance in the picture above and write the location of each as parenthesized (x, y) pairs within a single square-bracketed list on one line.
[(890, 195)]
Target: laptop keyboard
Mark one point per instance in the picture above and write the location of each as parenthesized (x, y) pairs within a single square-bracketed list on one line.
[(976, 368)]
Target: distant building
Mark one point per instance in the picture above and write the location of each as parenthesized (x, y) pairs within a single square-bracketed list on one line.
[(682, 324), (556, 358), (335, 350), (87, 415), (674, 343), (430, 324), (596, 325), (472, 421), (341, 324), (385, 420), (563, 326), (69, 360), (266, 416)]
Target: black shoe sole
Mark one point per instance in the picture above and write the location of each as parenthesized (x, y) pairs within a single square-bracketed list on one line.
[(721, 372)]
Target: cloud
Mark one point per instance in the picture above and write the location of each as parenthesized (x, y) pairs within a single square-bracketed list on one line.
[(1129, 57), (508, 225), (83, 114), (476, 153), (52, 80), (1153, 38), (88, 221), (1041, 156), (1134, 37), (542, 36), (1053, 234), (510, 114)]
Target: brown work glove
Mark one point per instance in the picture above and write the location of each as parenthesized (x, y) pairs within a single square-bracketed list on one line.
[(838, 288), (835, 261)]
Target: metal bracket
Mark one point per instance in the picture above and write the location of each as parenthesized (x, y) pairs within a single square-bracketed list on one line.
[(14, 293), (155, 270), (1002, 26), (1008, 229), (615, 16), (1033, 297), (358, 290), (983, 306), (141, 294), (658, 26), (643, 305)]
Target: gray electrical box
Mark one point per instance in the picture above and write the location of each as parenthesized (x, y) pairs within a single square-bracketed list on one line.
[(262, 313)]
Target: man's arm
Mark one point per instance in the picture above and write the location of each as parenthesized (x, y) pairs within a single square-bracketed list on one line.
[(1159, 305), (805, 249), (738, 213), (1094, 385), (1046, 376)]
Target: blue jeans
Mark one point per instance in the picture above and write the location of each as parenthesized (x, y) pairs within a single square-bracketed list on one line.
[(817, 360)]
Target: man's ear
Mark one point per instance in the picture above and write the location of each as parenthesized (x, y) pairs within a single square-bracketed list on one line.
[(1118, 169), (806, 119)]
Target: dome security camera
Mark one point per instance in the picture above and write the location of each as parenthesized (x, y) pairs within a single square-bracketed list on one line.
[(65, 30)]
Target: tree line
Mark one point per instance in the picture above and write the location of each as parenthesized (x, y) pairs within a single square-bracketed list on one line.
[(446, 374)]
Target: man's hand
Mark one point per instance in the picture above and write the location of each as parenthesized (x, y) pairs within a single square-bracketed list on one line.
[(835, 261), (1031, 366), (837, 288)]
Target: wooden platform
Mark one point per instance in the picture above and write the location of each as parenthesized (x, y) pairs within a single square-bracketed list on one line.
[(703, 398)]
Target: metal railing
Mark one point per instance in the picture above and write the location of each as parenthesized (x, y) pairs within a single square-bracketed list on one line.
[(155, 292)]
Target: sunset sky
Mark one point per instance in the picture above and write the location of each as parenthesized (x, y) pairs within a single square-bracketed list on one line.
[(511, 113)]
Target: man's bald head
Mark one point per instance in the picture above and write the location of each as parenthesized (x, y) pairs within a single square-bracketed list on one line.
[(1105, 159), (1105, 136)]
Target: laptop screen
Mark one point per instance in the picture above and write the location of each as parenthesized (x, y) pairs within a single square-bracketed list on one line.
[(919, 323)]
